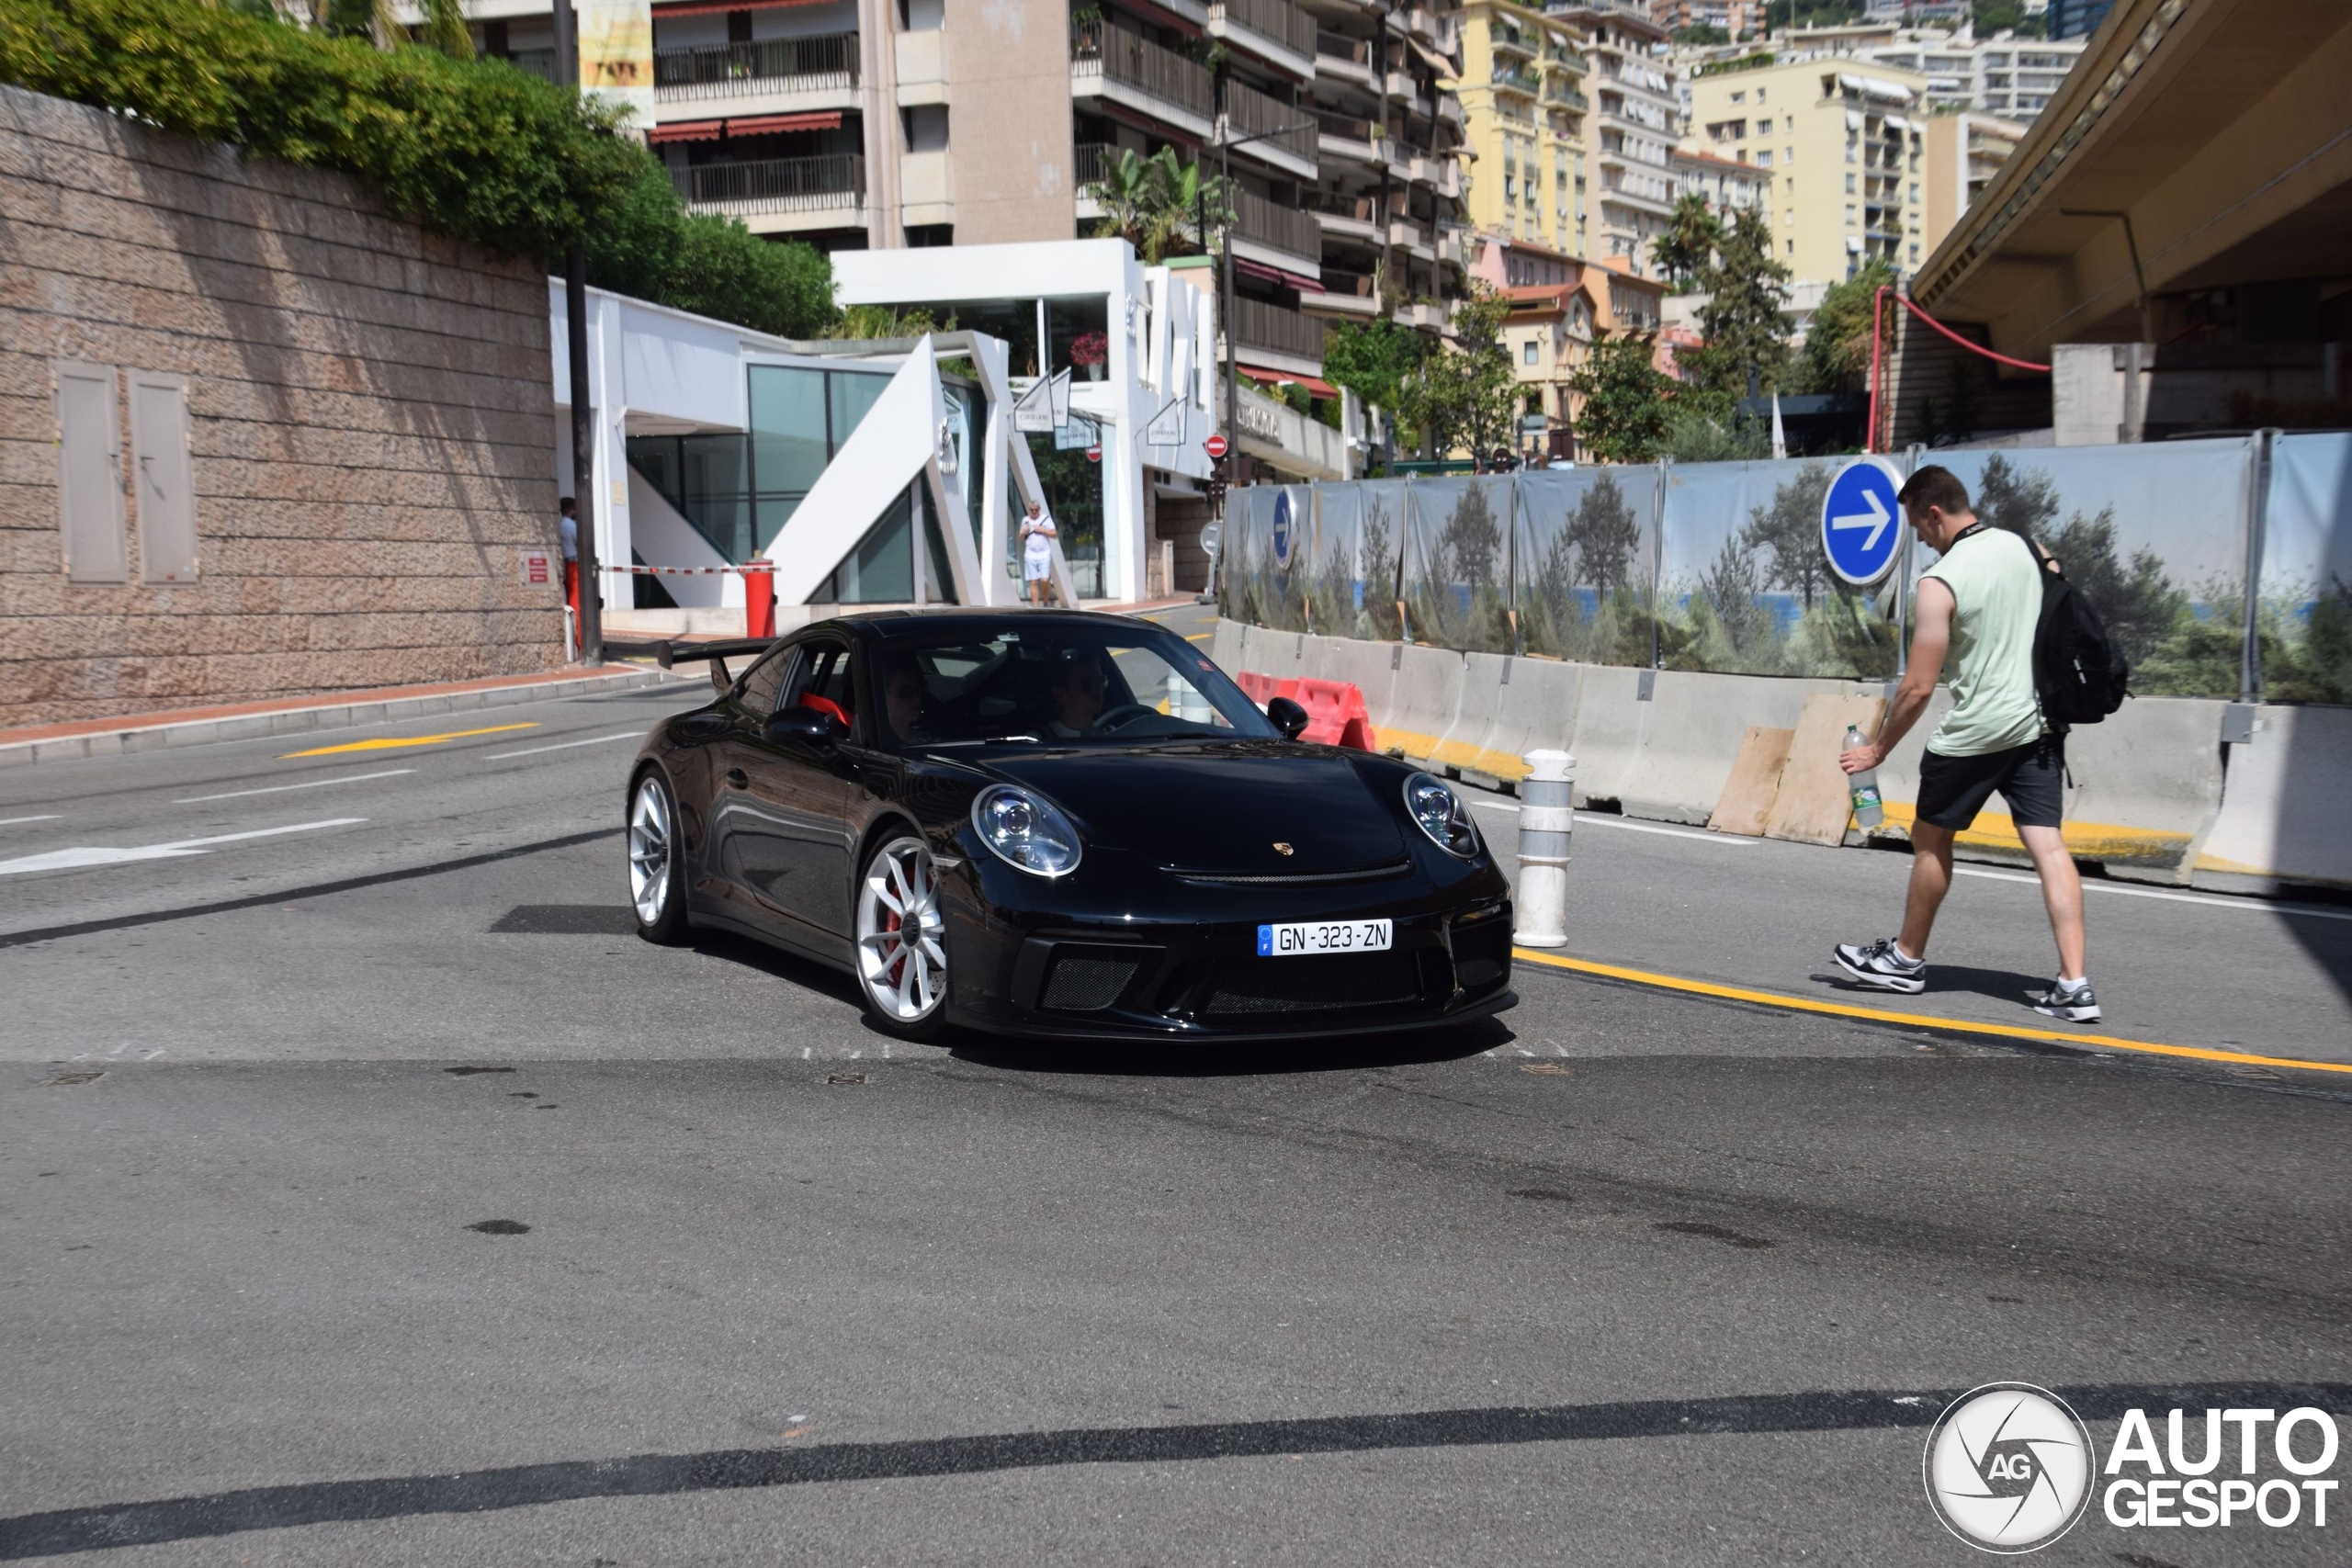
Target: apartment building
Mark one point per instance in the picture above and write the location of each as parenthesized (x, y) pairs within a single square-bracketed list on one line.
[(2004, 75), (1631, 133), (1738, 19), (1965, 151), (1729, 186), (2078, 18), (1561, 306), (1846, 144), (1388, 143), (1522, 90), (1918, 11)]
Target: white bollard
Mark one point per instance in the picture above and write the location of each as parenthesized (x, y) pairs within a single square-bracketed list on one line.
[(1546, 817)]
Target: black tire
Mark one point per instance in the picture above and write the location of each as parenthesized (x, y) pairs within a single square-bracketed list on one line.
[(657, 861), (902, 985)]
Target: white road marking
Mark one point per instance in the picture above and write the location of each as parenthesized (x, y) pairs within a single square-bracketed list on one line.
[(2245, 905), (565, 744), (77, 858), (45, 817), (281, 789), (1607, 821)]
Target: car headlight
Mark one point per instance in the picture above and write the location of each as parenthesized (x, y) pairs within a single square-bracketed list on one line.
[(1025, 830), (1442, 815)]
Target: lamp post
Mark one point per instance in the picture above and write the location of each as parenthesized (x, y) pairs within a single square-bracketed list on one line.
[(1232, 346)]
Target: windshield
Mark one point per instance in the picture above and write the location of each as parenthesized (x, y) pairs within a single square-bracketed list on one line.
[(1058, 684)]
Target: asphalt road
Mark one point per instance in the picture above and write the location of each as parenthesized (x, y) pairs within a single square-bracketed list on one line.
[(1626, 1276)]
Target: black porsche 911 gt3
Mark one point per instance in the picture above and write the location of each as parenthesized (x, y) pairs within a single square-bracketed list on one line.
[(1061, 824)]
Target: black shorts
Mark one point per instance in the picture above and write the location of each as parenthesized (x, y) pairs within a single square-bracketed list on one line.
[(1952, 790)]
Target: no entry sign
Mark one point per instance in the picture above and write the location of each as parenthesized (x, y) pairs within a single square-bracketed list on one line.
[(1213, 445)]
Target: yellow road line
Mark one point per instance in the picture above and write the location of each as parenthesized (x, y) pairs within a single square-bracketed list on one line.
[(1200, 637), (387, 745), (1881, 1015)]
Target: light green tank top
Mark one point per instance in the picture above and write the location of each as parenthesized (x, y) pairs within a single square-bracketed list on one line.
[(1997, 584)]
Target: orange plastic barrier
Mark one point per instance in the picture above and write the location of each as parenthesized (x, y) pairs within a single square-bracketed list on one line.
[(758, 603), (1335, 712)]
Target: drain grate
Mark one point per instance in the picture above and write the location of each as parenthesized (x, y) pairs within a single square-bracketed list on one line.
[(67, 1081)]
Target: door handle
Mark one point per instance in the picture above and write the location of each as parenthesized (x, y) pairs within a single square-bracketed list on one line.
[(739, 778)]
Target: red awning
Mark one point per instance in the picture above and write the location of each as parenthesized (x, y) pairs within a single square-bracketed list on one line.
[(710, 7), (760, 125), (685, 131), (1248, 268), (1314, 385)]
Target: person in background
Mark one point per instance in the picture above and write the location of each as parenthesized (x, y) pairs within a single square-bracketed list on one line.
[(1038, 535), (1978, 608), (904, 697), (567, 531)]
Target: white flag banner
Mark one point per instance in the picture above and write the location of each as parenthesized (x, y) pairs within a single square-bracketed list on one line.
[(1058, 389), (1077, 435), (1780, 437), (1166, 427), (1033, 412)]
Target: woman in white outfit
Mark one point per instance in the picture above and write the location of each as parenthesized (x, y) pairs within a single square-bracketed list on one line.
[(1037, 533)]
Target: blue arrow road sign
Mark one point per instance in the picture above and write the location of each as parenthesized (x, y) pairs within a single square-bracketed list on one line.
[(1861, 523), (1285, 531)]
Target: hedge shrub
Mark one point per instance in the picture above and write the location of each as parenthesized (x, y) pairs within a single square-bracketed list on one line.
[(475, 149)]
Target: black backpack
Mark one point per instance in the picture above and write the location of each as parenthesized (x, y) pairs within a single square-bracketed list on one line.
[(2078, 672)]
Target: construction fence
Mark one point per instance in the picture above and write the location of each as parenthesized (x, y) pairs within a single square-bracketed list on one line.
[(2223, 566)]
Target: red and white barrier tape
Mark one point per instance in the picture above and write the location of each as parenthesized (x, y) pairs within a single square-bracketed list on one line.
[(768, 566)]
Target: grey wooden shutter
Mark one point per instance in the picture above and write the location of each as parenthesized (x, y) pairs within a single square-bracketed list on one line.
[(89, 488), (161, 486)]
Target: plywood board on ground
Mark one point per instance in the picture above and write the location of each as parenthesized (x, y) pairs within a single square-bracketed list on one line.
[(1813, 805), (1746, 800)]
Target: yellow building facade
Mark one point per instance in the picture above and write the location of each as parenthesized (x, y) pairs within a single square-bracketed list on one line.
[(1845, 141), (1523, 93)]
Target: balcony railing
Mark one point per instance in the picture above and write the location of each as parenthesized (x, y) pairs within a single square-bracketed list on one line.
[(1347, 127), (1559, 91), (1276, 20), (540, 62), (1135, 62), (1271, 223), (725, 70), (1094, 160), (776, 185), (1259, 325), (1252, 112), (1339, 46), (1513, 78)]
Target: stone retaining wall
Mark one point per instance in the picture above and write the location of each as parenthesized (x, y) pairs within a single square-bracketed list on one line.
[(371, 429)]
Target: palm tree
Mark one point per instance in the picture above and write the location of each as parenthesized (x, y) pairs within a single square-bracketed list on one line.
[(1690, 237), (1155, 204)]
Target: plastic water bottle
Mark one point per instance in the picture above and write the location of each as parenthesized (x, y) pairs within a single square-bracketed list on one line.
[(1868, 813)]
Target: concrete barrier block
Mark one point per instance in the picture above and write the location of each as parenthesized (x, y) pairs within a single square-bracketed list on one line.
[(2283, 810), (1225, 648), (1374, 669), (1612, 720), (1536, 709), (1692, 736), (1427, 697), (1462, 748)]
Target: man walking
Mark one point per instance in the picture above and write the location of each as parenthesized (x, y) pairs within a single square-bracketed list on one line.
[(1037, 532), (1977, 609)]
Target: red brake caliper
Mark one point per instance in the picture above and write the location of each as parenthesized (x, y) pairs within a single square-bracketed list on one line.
[(890, 922)]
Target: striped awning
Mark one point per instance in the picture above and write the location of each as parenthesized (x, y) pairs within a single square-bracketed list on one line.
[(761, 125), (685, 131), (711, 7)]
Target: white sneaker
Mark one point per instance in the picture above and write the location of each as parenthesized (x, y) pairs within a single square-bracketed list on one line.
[(1880, 966), (2075, 1005)]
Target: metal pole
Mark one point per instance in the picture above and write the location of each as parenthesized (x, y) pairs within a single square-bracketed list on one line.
[(1232, 339), (584, 418)]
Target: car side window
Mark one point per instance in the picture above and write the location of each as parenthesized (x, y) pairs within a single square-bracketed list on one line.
[(762, 682), (822, 682)]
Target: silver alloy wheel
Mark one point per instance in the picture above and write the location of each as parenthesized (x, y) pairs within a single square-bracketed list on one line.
[(649, 850), (905, 975)]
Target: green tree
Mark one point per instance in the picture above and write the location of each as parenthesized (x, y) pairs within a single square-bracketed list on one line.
[(1695, 435), (1742, 320), (1729, 589), (1372, 359), (1689, 242), (1624, 415), (445, 30), (1464, 394), (1836, 355), (2023, 503), (1606, 535)]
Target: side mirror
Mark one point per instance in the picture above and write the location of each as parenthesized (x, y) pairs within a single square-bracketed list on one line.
[(1288, 717), (808, 725)]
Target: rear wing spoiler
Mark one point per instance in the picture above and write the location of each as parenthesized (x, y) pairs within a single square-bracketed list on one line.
[(667, 654)]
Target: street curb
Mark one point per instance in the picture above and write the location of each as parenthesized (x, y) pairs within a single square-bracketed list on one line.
[(327, 715)]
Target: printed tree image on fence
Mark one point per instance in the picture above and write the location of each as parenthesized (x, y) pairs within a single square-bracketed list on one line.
[(1584, 591), (1767, 603), (1352, 589), (1457, 561)]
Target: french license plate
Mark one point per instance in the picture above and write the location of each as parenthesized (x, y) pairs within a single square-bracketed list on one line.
[(1304, 938)]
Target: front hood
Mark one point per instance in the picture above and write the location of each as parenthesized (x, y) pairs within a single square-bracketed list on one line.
[(1218, 805)]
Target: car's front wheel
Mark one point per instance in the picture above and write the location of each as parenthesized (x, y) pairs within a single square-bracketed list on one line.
[(657, 879), (902, 941)]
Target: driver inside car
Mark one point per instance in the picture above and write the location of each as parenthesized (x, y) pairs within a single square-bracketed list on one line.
[(1076, 692), (904, 697)]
